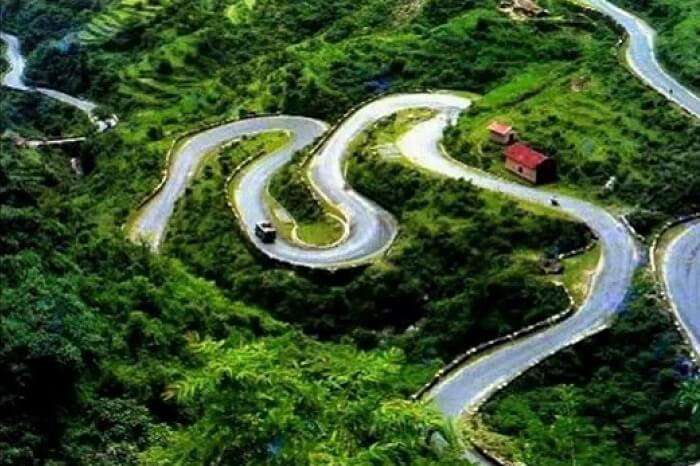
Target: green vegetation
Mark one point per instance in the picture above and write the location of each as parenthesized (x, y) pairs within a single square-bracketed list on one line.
[(48, 117), (287, 395), (4, 65), (665, 241), (111, 355), (318, 222), (597, 122), (126, 328), (237, 11), (177, 64), (290, 186), (390, 129), (122, 15), (45, 28), (214, 169), (41, 20), (442, 267), (325, 232), (566, 91), (615, 396), (578, 271)]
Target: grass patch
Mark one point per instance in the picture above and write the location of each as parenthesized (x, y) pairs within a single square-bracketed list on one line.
[(578, 273), (665, 241), (324, 232), (571, 114), (239, 10)]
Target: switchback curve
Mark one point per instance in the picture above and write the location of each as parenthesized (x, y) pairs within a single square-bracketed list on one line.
[(471, 384), (14, 79), (150, 222)]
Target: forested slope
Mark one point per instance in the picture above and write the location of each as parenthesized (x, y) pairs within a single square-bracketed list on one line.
[(209, 353), (108, 351), (610, 397)]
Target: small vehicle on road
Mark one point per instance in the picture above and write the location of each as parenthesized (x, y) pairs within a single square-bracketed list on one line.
[(554, 202), (266, 232)]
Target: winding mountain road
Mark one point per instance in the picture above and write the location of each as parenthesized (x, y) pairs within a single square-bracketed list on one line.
[(371, 229), (680, 268), (14, 79), (470, 385), (151, 221), (680, 265), (642, 58), (473, 383)]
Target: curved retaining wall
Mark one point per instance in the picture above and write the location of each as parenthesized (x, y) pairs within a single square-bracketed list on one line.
[(477, 350)]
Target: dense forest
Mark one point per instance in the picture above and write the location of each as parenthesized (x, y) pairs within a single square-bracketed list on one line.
[(207, 353)]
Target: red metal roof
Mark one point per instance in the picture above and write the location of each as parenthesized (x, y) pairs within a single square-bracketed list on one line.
[(524, 155), (500, 128)]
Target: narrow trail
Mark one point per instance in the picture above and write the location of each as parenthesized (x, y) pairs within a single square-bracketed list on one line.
[(371, 229)]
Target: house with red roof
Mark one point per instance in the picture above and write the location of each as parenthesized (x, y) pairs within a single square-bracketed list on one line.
[(529, 164), (501, 133)]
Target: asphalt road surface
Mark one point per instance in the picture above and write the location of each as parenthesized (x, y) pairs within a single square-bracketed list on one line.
[(471, 384), (642, 59), (13, 55), (14, 78), (371, 229), (152, 219), (681, 272)]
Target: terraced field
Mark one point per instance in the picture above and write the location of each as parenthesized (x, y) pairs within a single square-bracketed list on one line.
[(125, 14)]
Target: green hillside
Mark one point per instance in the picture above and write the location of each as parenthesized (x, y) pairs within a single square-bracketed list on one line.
[(209, 354)]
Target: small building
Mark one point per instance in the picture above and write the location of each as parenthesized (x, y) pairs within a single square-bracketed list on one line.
[(501, 133), (529, 164), (529, 8)]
